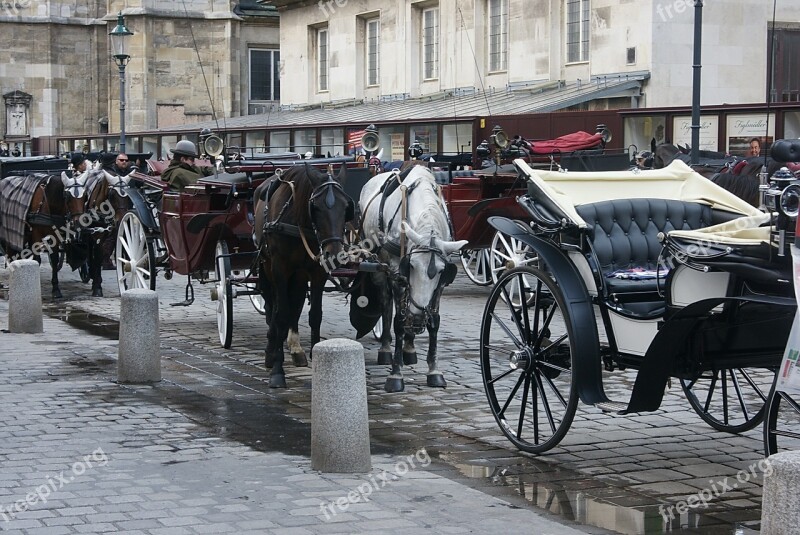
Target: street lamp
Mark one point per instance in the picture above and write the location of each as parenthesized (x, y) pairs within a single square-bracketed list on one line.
[(119, 37)]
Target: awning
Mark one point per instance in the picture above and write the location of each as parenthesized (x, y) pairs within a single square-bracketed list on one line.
[(460, 104)]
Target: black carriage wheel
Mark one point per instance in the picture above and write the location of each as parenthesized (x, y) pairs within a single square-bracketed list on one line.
[(782, 420), (731, 400), (83, 271), (526, 360), (134, 255), (224, 287)]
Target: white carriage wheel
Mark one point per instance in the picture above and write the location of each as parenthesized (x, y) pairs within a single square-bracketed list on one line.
[(222, 270), (134, 257), (256, 299), (377, 331), (476, 266), (507, 253)]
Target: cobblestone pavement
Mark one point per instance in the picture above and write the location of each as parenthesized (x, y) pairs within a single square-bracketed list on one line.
[(212, 449)]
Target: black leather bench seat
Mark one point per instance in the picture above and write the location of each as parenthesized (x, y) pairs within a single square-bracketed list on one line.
[(624, 236)]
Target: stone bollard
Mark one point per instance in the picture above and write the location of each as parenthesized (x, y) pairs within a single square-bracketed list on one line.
[(25, 297), (780, 508), (339, 419), (139, 359)]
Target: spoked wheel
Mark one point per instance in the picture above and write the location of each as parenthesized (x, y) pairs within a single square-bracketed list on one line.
[(377, 331), (781, 423), (507, 253), (83, 271), (526, 359), (730, 400), (256, 299), (135, 260), (224, 290), (476, 266)]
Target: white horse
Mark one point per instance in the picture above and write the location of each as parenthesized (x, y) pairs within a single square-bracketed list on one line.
[(413, 237)]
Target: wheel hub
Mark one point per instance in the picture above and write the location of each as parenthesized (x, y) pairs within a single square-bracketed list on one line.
[(520, 359)]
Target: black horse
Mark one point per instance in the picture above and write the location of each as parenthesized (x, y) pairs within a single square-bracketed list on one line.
[(299, 227)]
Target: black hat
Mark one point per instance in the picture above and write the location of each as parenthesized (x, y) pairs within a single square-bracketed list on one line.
[(77, 159), (107, 159)]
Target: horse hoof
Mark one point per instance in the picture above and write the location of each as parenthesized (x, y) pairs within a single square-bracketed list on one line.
[(97, 292), (394, 384), (409, 357), (385, 357), (299, 360), (436, 380), (277, 381)]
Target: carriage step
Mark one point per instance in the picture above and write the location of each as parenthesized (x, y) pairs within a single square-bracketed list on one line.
[(612, 406)]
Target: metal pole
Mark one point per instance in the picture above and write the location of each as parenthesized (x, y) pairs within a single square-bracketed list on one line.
[(122, 108), (696, 66)]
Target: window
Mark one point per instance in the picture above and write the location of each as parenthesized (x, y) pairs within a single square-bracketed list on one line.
[(332, 141), (577, 30), (373, 51), (265, 80), (322, 59), (305, 141), (498, 35), (430, 43), (786, 73)]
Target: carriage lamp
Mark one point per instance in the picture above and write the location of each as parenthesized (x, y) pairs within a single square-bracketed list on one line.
[(499, 137), (483, 150), (119, 37)]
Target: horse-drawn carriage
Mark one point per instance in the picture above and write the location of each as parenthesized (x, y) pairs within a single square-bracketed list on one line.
[(659, 271)]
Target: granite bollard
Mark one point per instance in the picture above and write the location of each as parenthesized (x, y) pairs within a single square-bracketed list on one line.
[(339, 418), (780, 508), (139, 356), (25, 297)]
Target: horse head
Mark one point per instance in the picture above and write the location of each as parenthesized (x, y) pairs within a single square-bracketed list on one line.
[(427, 271), (329, 208)]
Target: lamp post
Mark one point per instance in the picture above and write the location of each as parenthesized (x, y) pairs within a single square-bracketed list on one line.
[(119, 37)]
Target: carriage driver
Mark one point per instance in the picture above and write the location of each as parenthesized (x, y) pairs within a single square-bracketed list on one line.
[(181, 170)]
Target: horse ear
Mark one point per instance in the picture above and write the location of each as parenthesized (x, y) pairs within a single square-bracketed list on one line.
[(341, 178), (453, 246), (653, 145)]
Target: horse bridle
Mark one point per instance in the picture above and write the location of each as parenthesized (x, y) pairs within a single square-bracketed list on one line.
[(327, 188)]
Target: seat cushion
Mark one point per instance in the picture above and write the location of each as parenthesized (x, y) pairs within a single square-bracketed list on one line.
[(624, 233)]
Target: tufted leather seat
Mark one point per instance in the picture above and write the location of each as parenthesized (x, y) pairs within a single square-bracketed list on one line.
[(624, 235)]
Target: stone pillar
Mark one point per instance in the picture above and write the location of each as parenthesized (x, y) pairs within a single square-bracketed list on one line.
[(25, 297), (339, 419), (780, 508), (139, 355)]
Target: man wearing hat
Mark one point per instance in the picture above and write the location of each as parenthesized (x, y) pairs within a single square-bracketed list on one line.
[(181, 170), (79, 163)]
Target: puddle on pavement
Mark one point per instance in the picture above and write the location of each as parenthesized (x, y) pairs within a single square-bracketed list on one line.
[(589, 501), (86, 321), (261, 423)]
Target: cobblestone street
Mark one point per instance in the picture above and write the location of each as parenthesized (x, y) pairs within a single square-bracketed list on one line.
[(213, 449)]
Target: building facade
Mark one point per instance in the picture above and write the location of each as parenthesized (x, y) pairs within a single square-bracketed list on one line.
[(191, 61), (376, 49)]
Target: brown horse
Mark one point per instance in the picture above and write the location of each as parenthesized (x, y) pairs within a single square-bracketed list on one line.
[(53, 212), (299, 227), (106, 203)]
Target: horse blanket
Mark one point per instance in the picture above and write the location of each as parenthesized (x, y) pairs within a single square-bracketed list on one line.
[(568, 143), (16, 193)]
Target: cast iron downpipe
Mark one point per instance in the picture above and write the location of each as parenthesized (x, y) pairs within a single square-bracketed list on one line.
[(696, 66)]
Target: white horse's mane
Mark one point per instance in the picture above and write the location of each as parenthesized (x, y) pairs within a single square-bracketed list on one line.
[(427, 213)]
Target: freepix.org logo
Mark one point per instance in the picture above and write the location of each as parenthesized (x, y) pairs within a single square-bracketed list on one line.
[(15, 9), (328, 7)]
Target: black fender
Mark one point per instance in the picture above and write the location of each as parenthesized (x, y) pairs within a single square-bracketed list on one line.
[(142, 209), (659, 360), (587, 368)]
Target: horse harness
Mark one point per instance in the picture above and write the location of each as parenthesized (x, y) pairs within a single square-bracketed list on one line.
[(326, 189)]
